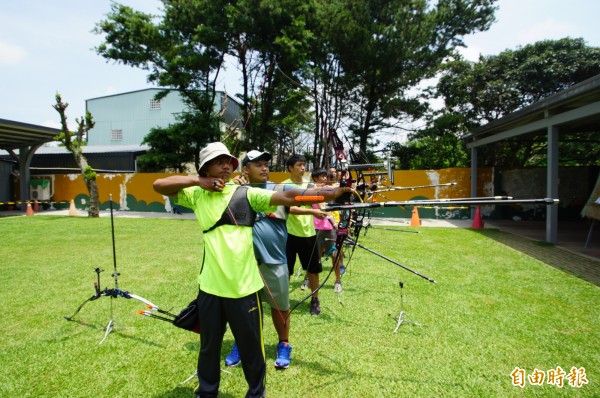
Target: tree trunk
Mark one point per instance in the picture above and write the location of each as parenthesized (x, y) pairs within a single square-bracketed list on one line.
[(94, 209), (89, 177)]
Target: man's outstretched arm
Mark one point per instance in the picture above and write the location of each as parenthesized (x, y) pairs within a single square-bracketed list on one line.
[(169, 186), (290, 197)]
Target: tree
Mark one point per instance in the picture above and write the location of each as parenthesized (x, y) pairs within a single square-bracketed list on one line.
[(364, 54), (175, 146), (387, 47), (74, 141), (433, 147), (497, 85), (184, 51), (274, 40)]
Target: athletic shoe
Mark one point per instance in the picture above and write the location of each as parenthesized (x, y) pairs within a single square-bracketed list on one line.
[(315, 306), (233, 358), (304, 285), (337, 287), (284, 355)]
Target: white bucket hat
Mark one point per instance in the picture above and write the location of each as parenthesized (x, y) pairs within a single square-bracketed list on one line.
[(214, 150)]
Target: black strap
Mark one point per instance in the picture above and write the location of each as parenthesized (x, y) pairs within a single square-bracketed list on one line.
[(238, 211)]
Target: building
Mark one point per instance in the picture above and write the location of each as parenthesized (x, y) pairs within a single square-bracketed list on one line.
[(126, 118), (122, 121)]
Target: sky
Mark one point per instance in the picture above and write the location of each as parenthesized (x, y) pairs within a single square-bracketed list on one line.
[(47, 47)]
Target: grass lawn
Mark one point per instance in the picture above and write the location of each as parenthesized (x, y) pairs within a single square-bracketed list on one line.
[(492, 310)]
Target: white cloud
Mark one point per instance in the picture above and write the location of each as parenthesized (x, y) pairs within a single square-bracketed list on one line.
[(11, 54), (545, 30)]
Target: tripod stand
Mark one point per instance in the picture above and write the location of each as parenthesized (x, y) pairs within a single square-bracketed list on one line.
[(106, 292), (401, 318)]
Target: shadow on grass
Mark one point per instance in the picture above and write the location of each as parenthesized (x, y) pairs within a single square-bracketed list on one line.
[(115, 330), (564, 260), (342, 373), (184, 392)]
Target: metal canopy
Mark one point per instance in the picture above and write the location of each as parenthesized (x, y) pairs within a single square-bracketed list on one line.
[(27, 138), (16, 135), (574, 109)]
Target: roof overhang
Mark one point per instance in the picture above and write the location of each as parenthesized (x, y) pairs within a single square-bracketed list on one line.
[(14, 135), (575, 109)]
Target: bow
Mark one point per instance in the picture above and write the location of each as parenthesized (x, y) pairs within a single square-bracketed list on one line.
[(113, 293), (351, 221)]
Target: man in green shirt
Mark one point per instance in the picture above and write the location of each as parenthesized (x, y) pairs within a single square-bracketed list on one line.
[(302, 237), (229, 280)]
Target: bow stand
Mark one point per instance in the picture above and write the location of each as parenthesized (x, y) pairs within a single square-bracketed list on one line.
[(114, 292)]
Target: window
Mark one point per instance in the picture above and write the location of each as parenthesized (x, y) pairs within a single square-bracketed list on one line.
[(154, 104), (117, 135)]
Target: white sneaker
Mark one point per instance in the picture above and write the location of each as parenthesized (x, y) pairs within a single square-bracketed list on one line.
[(337, 287)]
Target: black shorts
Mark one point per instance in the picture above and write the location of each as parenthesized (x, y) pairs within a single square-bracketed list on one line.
[(307, 249)]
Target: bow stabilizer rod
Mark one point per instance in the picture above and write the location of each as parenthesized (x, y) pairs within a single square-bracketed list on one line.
[(388, 189), (442, 202), (352, 241)]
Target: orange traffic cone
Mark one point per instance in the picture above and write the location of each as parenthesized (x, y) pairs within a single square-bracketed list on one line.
[(415, 221), (477, 221), (29, 210), (36, 206), (72, 209)]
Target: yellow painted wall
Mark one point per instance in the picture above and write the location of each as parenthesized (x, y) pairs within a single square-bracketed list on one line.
[(134, 191)]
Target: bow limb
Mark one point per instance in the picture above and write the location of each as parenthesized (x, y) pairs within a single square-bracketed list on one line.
[(94, 297), (143, 300)]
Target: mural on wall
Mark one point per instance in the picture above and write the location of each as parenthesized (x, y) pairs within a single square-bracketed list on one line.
[(133, 192), (130, 192)]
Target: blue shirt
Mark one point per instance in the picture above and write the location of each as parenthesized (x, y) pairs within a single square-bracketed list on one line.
[(269, 233)]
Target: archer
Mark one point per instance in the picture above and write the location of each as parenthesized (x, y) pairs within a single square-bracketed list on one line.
[(229, 280)]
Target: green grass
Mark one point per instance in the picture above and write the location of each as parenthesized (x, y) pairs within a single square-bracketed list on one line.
[(492, 310)]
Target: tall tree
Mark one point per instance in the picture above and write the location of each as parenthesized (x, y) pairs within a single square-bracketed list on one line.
[(278, 36), (74, 142), (387, 47), (184, 50), (361, 56)]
